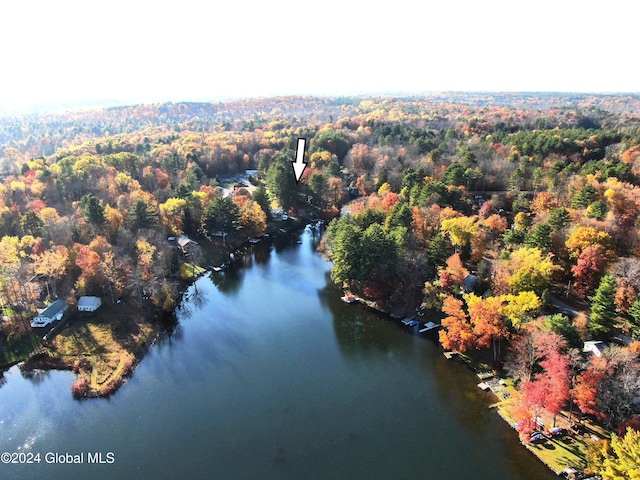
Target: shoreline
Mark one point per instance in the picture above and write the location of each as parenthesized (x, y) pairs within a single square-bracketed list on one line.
[(100, 368), (100, 373), (571, 445)]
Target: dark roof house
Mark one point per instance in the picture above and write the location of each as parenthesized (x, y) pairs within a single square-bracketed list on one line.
[(53, 312)]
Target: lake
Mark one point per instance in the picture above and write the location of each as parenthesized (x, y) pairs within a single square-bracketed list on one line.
[(268, 375)]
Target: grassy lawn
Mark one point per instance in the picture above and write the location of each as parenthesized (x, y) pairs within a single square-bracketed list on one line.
[(561, 452), (18, 348), (103, 346), (189, 271)]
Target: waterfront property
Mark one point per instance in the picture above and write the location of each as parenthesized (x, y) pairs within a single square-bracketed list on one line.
[(186, 245), (53, 312)]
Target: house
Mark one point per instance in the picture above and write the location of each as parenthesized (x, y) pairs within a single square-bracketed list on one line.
[(594, 347), (186, 245), (469, 283), (89, 304), (53, 312), (251, 173), (279, 214)]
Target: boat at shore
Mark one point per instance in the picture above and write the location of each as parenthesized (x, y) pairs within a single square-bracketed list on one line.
[(349, 298), (410, 322)]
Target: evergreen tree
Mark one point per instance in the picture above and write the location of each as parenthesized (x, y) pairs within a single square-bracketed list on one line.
[(221, 215), (32, 224), (563, 325), (603, 307), (540, 237), (437, 250), (559, 218), (261, 198), (92, 209), (281, 181), (634, 311), (142, 215), (318, 186)]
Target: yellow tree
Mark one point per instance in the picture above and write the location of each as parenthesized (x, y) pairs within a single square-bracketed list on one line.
[(460, 229), (621, 461), (527, 269), (583, 237), (9, 265), (172, 214), (52, 264), (521, 308)]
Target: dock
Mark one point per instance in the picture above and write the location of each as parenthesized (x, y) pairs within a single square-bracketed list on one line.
[(429, 326)]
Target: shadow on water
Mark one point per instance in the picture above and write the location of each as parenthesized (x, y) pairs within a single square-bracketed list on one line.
[(36, 376), (230, 281), (357, 329)]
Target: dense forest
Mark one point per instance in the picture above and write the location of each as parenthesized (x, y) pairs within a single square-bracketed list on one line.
[(515, 217)]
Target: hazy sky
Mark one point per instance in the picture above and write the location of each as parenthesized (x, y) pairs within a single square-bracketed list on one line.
[(57, 51)]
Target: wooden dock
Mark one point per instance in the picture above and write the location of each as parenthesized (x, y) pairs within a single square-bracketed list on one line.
[(429, 326)]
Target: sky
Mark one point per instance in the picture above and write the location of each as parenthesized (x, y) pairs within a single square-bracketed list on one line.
[(136, 51)]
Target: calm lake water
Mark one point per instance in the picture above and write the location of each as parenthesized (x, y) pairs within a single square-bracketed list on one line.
[(270, 376)]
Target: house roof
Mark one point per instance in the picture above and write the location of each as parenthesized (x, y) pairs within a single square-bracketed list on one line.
[(184, 241), (88, 301), (595, 347), (53, 309)]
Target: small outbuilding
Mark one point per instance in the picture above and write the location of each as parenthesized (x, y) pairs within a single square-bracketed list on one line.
[(594, 347), (89, 304), (186, 245), (53, 312)]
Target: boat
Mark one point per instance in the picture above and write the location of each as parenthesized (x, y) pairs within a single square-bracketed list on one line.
[(348, 298), (410, 322)]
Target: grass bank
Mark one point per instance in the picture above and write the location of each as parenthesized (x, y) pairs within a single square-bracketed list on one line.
[(103, 348)]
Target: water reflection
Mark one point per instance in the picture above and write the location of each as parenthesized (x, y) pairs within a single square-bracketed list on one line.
[(273, 377), (36, 376)]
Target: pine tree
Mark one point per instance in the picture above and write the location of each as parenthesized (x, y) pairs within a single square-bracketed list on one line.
[(603, 307), (634, 311)]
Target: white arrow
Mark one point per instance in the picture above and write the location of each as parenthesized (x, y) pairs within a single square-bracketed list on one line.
[(298, 164)]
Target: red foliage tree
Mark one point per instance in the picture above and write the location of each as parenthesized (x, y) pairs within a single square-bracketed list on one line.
[(549, 389), (585, 393), (589, 269)]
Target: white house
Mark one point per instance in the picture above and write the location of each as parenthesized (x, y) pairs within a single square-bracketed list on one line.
[(89, 304), (53, 312), (594, 347)]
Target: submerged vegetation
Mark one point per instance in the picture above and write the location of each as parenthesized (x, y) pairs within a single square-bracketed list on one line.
[(514, 217)]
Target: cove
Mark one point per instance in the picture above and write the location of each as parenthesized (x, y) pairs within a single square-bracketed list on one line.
[(268, 375)]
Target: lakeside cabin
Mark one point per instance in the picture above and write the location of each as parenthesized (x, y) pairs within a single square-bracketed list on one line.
[(186, 245), (89, 304), (53, 312)]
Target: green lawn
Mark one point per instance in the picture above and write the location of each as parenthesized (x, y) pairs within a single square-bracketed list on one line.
[(18, 348), (189, 271)]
